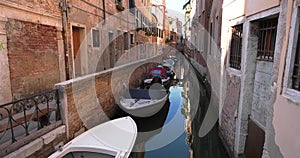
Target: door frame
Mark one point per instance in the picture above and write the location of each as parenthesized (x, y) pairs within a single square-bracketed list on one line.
[(82, 48)]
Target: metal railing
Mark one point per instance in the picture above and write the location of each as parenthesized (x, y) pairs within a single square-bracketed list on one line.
[(22, 117)]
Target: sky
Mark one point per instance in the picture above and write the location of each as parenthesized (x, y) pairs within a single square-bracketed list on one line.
[(175, 5), (175, 8)]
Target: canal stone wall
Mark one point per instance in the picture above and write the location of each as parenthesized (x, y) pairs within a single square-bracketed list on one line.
[(90, 100)]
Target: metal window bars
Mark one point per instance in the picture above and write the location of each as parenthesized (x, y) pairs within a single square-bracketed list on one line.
[(236, 47), (266, 40)]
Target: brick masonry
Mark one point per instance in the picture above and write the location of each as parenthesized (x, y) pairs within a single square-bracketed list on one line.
[(230, 111), (88, 100), (33, 57)]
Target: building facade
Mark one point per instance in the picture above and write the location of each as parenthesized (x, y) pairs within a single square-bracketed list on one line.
[(43, 43), (69, 39), (259, 109), (32, 48)]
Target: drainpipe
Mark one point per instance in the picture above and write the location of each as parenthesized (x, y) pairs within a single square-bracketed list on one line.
[(64, 10), (104, 11)]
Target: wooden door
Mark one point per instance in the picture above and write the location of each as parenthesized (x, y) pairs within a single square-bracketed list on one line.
[(255, 141), (76, 53)]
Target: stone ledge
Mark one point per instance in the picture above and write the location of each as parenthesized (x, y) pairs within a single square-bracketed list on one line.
[(37, 144), (93, 75)]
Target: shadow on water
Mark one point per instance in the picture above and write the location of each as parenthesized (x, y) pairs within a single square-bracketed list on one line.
[(209, 146)]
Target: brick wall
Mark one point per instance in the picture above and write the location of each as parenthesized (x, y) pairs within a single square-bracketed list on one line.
[(229, 111), (89, 99), (33, 57), (43, 7)]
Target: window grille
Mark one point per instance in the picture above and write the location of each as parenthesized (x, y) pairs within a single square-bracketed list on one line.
[(236, 47), (266, 40)]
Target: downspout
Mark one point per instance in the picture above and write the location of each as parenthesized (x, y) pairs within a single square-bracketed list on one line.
[(104, 11), (64, 11)]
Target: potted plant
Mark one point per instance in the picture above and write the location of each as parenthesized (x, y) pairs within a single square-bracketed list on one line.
[(120, 6)]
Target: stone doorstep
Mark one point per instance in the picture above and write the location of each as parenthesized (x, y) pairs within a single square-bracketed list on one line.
[(37, 144)]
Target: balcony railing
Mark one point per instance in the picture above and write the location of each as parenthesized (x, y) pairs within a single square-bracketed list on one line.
[(25, 116)]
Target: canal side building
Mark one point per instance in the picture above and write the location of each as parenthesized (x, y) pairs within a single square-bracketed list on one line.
[(43, 43), (260, 114), (32, 52), (255, 75)]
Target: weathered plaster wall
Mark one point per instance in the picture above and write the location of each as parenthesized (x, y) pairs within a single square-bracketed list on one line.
[(230, 110), (262, 91), (286, 112), (5, 84), (255, 6)]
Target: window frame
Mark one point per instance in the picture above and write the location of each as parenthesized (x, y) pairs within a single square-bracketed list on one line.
[(119, 39), (126, 40), (118, 1), (265, 40), (131, 39), (240, 48), (132, 6), (288, 92), (99, 40)]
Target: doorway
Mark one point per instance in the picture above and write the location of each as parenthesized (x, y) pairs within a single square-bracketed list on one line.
[(78, 34)]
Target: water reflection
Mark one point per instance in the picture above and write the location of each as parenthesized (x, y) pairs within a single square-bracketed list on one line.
[(173, 132), (162, 135), (147, 128)]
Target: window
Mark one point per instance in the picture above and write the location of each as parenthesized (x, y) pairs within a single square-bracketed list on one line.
[(126, 42), (132, 6), (119, 1), (119, 44), (131, 38), (96, 38), (296, 68), (236, 47), (171, 37), (291, 84), (216, 31), (266, 40)]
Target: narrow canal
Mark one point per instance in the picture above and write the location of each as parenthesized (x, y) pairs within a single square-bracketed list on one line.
[(173, 131)]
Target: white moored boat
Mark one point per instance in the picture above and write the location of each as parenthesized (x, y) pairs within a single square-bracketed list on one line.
[(112, 139), (143, 102)]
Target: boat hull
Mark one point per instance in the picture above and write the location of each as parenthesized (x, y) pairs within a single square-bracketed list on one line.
[(142, 105), (114, 138)]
